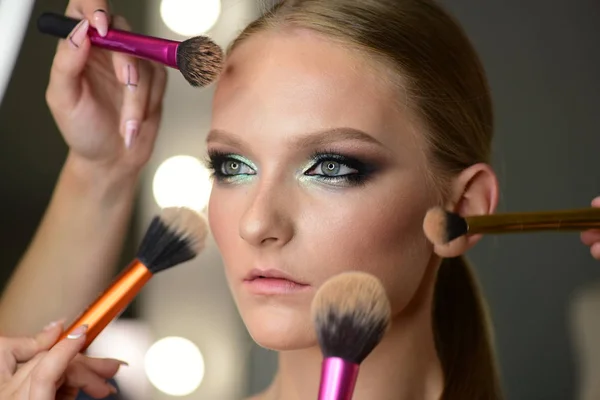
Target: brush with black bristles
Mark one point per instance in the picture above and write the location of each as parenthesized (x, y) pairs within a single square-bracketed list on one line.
[(198, 59), (351, 313), (175, 236), (442, 227)]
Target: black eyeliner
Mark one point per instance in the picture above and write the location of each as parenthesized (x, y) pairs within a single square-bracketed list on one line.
[(363, 170)]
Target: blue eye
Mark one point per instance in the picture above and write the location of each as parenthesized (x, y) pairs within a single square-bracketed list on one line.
[(232, 167), (331, 168), (338, 169), (226, 167)]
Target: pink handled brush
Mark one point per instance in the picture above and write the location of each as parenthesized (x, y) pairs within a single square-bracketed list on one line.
[(351, 313), (198, 59)]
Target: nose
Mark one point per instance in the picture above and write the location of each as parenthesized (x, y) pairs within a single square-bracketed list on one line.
[(268, 219)]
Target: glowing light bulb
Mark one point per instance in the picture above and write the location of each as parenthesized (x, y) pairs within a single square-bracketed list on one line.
[(182, 181), (175, 366), (190, 17)]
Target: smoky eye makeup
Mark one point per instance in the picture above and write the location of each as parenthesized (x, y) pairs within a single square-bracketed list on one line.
[(339, 169), (324, 167), (229, 167)]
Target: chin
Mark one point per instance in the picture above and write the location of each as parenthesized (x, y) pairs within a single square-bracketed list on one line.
[(280, 328)]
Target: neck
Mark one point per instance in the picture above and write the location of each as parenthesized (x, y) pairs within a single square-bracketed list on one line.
[(404, 366)]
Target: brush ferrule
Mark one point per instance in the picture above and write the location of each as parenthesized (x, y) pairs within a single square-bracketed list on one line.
[(160, 50), (112, 302), (338, 378)]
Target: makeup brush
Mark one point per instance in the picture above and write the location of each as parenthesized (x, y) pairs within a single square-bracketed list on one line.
[(441, 226), (198, 59), (351, 313), (174, 236)]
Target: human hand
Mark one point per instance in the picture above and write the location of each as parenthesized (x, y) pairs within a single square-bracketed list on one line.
[(31, 369), (107, 105), (592, 237)]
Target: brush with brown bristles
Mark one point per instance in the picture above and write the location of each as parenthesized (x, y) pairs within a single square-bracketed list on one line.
[(175, 236), (442, 227), (351, 313), (199, 59)]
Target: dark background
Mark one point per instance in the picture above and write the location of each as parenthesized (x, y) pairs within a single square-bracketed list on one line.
[(542, 60)]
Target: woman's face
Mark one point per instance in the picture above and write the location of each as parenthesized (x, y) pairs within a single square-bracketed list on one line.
[(317, 172)]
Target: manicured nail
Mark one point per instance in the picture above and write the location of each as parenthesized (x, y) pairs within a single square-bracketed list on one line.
[(131, 131), (112, 389), (79, 33), (132, 75), (101, 21), (121, 362), (79, 332), (53, 324)]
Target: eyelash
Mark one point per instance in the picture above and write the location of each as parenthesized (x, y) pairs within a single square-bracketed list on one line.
[(216, 161), (350, 179)]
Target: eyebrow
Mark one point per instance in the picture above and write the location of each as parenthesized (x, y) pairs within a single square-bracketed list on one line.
[(314, 139)]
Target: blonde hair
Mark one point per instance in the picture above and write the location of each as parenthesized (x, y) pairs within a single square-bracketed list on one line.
[(445, 82)]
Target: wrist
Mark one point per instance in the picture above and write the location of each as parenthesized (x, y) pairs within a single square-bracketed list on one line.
[(106, 182)]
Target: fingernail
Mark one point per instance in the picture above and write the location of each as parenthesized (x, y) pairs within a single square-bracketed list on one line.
[(53, 325), (132, 77), (112, 389), (78, 34), (101, 21), (131, 130), (77, 333)]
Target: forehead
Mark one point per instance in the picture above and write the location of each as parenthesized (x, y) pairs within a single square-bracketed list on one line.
[(298, 81)]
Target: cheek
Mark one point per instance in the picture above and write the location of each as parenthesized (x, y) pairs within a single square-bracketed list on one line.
[(223, 218), (382, 236)]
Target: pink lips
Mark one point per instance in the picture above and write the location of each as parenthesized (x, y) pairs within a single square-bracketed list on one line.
[(272, 282)]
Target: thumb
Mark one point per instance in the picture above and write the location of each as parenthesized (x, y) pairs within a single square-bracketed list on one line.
[(64, 88), (50, 370), (23, 349)]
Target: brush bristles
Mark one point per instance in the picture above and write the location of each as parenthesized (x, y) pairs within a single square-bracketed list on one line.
[(200, 60), (175, 236), (441, 227), (351, 313)]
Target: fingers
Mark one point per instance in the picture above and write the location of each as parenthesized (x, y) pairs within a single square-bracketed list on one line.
[(51, 368), (95, 11), (153, 113), (20, 350), (135, 100), (79, 376), (88, 374), (64, 89), (592, 237), (104, 367), (595, 250), (136, 76), (159, 84), (72, 54)]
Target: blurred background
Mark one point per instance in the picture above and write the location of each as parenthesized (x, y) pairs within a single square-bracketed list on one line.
[(183, 336)]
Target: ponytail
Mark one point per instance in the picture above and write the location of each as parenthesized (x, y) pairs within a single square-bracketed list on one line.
[(462, 334)]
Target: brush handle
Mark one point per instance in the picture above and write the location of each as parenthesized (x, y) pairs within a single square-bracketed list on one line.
[(561, 220), (151, 48), (112, 302), (338, 378)]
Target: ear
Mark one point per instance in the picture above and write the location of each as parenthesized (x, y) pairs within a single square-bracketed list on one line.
[(474, 192)]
